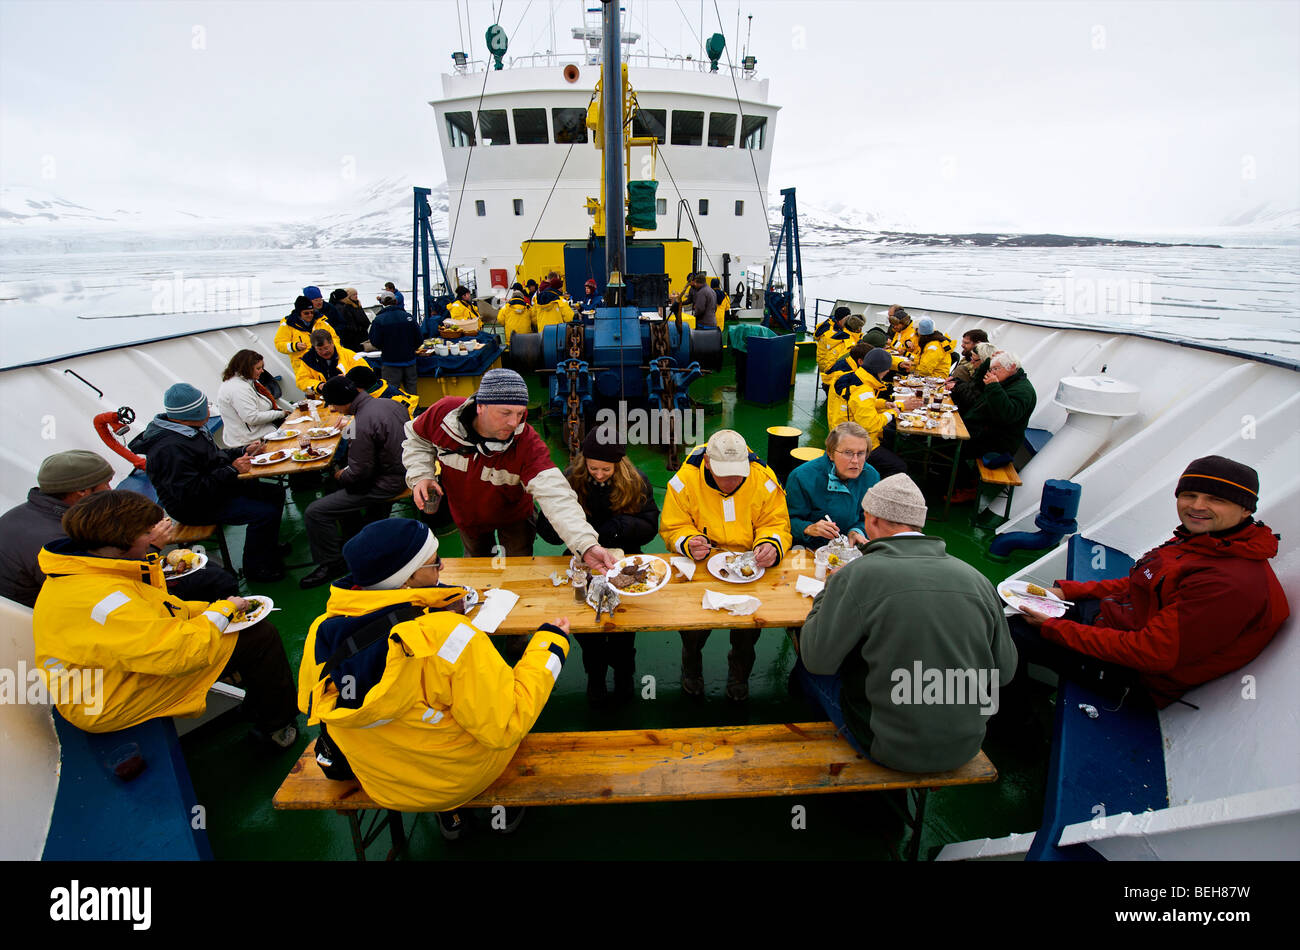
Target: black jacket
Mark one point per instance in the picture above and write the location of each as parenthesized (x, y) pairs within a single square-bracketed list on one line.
[(627, 531), (396, 334), (353, 326), (193, 477)]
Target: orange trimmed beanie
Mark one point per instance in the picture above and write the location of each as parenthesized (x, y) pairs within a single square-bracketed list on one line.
[(1216, 475)]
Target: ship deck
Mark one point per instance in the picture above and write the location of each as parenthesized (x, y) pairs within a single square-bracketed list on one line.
[(235, 780)]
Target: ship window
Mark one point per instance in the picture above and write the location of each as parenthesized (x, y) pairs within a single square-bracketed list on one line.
[(704, 206), (530, 126), (493, 127), (688, 128), (740, 208), (753, 131), (648, 122), (480, 208), (722, 129), (519, 207), (460, 128), (570, 125), (661, 206)]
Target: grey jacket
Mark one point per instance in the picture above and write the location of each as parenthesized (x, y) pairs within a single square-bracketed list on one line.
[(375, 438), (24, 530), (922, 647)]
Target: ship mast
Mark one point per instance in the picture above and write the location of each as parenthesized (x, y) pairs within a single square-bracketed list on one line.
[(612, 116)]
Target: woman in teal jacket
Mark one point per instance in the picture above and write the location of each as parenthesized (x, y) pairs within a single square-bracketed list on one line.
[(824, 496)]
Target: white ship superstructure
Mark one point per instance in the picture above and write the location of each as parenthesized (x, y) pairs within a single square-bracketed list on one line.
[(520, 160)]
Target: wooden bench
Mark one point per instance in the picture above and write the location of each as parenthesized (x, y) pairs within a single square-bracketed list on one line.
[(1004, 478), (650, 765)]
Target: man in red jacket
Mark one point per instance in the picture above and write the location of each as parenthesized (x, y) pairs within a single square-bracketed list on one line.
[(1204, 603)]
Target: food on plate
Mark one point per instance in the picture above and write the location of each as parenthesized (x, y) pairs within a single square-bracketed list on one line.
[(324, 433), (1036, 590), (637, 578), (741, 564), (279, 456), (180, 561), (308, 455)]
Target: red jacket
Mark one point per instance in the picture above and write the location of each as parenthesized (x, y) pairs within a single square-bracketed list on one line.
[(1189, 611)]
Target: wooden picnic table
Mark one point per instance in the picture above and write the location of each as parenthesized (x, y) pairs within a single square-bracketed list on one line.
[(951, 428), (676, 606), (288, 467)]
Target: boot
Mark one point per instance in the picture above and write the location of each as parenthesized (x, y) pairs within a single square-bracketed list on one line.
[(597, 694), (740, 663), (623, 660), (693, 662)]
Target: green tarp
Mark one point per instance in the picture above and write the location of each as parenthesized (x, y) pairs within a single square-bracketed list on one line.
[(641, 205)]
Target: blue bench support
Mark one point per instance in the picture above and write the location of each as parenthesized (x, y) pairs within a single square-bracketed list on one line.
[(1104, 766), (99, 817), (1035, 439)]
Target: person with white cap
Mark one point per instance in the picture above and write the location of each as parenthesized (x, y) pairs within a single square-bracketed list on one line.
[(396, 335), (906, 647), (413, 699), (724, 497), (494, 466)]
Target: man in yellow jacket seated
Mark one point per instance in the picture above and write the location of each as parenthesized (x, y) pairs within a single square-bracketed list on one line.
[(105, 621), (856, 397), (935, 349), (517, 315), (550, 309), (902, 335), (324, 360), (464, 309), (830, 337), (413, 698), (293, 336), (724, 497)]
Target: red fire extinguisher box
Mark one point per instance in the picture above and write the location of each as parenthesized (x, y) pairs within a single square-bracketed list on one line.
[(498, 277)]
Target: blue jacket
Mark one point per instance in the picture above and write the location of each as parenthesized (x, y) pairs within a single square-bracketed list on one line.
[(813, 491), (396, 334)]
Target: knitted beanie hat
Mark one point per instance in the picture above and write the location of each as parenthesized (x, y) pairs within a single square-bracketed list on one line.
[(302, 303), (1216, 475), (311, 293), (924, 326), (183, 402), (896, 499), (338, 391), (74, 470), (385, 554), (596, 446), (877, 362), (502, 387)]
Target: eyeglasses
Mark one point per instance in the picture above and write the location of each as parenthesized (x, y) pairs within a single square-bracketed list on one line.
[(851, 455), (437, 563)]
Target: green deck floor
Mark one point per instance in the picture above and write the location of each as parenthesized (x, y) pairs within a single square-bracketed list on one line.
[(234, 779)]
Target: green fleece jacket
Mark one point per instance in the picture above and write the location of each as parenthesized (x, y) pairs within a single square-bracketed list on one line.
[(998, 418), (922, 647)]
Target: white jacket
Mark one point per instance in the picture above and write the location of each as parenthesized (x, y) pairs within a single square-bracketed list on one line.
[(246, 415)]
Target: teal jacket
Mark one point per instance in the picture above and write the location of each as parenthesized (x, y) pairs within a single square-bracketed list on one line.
[(922, 648), (813, 491)]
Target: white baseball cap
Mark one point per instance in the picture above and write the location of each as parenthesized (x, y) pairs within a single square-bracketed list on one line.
[(727, 453)]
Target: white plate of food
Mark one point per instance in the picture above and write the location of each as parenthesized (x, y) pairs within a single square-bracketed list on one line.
[(308, 454), (724, 567), (644, 574), (182, 563), (261, 609), (271, 458), (280, 435), (1019, 594), (322, 433)]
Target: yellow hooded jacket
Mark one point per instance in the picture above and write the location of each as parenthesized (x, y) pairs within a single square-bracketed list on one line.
[(755, 512), (308, 378), (720, 314), (516, 317), (459, 310), (448, 714), (159, 654), (831, 345), (903, 343), (856, 398), (556, 311), (381, 389), (295, 342), (935, 359)]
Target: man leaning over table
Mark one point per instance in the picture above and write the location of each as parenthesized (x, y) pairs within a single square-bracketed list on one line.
[(724, 497)]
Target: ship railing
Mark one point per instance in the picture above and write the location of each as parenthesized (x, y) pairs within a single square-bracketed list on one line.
[(680, 61)]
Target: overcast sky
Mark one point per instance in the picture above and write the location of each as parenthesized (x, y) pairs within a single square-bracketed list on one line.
[(1096, 117)]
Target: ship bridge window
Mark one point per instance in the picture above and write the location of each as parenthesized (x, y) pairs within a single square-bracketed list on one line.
[(530, 126), (753, 131), (480, 208), (460, 129), (722, 129), (661, 206), (688, 128), (493, 127), (570, 125), (740, 209), (704, 206), (648, 122)]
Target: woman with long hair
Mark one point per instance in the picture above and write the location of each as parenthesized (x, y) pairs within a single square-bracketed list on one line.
[(248, 409), (619, 503)]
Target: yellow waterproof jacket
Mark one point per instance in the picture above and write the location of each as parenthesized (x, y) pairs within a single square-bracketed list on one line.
[(460, 311), (753, 513), (724, 304), (833, 374), (903, 343), (856, 398), (447, 715), (557, 311), (837, 344), (935, 359), (309, 378), (293, 339), (158, 653), (381, 390), (516, 318)]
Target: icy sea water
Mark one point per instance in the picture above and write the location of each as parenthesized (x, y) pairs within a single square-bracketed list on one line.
[(1247, 295)]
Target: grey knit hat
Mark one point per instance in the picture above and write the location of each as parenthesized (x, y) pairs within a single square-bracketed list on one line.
[(184, 402), (502, 387), (877, 363), (75, 470), (896, 499)]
